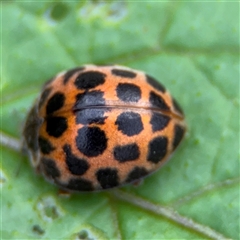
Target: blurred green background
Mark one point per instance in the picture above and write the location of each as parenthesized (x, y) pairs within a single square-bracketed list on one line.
[(193, 49)]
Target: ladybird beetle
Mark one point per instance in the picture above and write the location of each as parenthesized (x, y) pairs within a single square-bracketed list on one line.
[(99, 127)]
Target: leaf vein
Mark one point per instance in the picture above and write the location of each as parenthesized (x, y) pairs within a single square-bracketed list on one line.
[(115, 219), (169, 214), (204, 190), (211, 82), (11, 142)]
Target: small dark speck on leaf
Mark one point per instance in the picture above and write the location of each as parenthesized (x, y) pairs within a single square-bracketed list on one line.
[(83, 235), (37, 229)]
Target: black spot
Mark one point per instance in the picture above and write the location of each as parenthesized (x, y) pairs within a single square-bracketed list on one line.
[(177, 107), (136, 173), (157, 101), (123, 73), (45, 146), (128, 92), (91, 115), (86, 99), (44, 96), (56, 126), (159, 121), (91, 141), (154, 83), (83, 234), (89, 79), (79, 185), (77, 166), (107, 177), (70, 73), (157, 149), (50, 168), (178, 135), (55, 103), (37, 229), (129, 123), (126, 153)]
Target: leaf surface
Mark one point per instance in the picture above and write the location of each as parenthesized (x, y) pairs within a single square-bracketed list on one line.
[(192, 48)]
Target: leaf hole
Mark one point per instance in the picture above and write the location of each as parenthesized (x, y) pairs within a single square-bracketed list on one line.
[(117, 11), (109, 11), (48, 209)]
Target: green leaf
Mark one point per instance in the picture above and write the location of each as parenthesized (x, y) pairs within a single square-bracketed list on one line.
[(193, 49)]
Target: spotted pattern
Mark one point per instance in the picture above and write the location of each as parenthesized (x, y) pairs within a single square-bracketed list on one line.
[(129, 123), (123, 73), (126, 153), (55, 103), (56, 126), (99, 127), (78, 184), (159, 121), (70, 73), (178, 135), (49, 168), (91, 141), (136, 173), (90, 79), (76, 165), (87, 99), (157, 149), (45, 145), (158, 102), (91, 115), (128, 92), (154, 83), (107, 177)]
